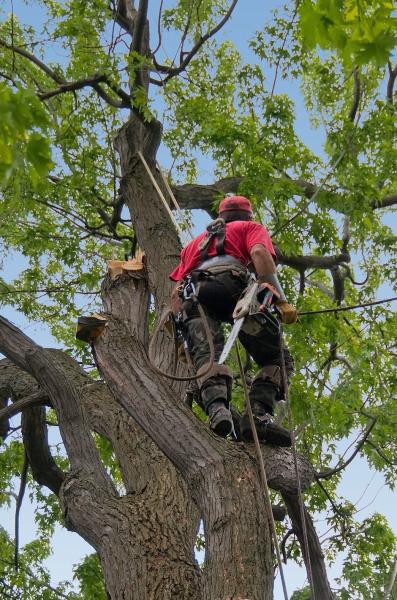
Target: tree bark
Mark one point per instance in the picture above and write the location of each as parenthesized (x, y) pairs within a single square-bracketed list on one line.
[(221, 477), (320, 584), (145, 538)]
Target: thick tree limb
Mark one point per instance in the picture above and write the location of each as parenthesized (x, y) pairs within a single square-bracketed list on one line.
[(55, 383), (125, 15), (22, 404), (384, 202), (196, 196), (311, 260), (320, 583), (35, 438), (139, 26), (148, 477)]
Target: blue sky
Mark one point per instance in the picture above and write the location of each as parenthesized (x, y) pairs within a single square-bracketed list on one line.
[(360, 485)]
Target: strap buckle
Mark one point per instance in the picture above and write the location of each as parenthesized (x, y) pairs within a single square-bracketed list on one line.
[(189, 290)]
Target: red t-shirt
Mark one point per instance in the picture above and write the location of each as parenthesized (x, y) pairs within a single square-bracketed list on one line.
[(240, 238)]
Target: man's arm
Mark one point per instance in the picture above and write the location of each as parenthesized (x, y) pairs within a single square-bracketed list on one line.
[(262, 260), (266, 273)]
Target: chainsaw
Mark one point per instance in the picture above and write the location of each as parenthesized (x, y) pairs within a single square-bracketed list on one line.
[(257, 298)]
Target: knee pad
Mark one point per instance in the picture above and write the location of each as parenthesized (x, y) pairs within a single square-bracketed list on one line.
[(212, 385), (270, 374)]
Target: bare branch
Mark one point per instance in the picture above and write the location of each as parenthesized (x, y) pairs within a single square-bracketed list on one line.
[(197, 196), (381, 454), (21, 494), (171, 72), (22, 52), (70, 86), (22, 404), (311, 260)]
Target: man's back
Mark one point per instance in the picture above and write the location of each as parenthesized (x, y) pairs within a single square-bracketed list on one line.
[(240, 238)]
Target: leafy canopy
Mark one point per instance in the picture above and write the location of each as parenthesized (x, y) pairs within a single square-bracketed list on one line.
[(62, 216)]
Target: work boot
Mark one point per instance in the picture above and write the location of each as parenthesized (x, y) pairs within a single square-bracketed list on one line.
[(267, 430), (220, 418)]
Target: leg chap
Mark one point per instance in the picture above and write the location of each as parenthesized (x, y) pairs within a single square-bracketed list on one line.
[(265, 389), (215, 385)]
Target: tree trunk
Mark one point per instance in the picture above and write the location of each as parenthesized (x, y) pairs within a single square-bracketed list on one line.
[(221, 477), (145, 539)]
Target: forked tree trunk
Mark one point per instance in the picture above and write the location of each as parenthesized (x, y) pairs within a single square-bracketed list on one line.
[(221, 477)]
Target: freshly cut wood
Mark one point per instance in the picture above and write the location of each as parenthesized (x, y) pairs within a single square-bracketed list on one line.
[(89, 328), (122, 267)]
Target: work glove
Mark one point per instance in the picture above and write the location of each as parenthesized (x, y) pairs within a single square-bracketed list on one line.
[(288, 313)]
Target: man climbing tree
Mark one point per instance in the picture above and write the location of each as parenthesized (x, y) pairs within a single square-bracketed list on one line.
[(94, 94), (215, 264)]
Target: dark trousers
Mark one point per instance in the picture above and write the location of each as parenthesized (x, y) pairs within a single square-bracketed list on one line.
[(218, 295)]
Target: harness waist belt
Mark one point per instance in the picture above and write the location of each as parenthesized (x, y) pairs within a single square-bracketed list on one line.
[(220, 260)]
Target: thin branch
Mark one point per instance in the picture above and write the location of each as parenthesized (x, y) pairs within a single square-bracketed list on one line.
[(70, 86), (390, 83), (330, 472), (9, 493), (54, 76), (282, 48), (327, 494), (381, 454), (356, 96), (283, 543), (33, 576), (172, 72), (24, 476)]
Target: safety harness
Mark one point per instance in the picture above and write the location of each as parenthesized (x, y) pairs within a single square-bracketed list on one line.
[(216, 229)]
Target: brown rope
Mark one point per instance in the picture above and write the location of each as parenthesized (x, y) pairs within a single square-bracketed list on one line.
[(262, 473), (295, 455), (210, 340)]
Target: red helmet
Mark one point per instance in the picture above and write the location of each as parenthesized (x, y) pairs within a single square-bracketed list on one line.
[(235, 203)]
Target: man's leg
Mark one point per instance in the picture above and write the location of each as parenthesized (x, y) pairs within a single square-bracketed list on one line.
[(215, 385), (263, 344)]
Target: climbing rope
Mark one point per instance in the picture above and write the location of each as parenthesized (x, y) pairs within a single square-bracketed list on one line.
[(262, 473), (160, 193), (208, 334), (295, 455), (174, 201)]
